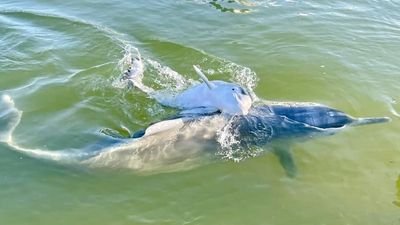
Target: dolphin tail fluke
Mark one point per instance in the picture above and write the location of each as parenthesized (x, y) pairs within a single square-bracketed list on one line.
[(365, 121), (133, 75)]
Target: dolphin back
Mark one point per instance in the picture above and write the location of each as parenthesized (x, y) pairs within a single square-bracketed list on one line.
[(320, 116), (312, 114)]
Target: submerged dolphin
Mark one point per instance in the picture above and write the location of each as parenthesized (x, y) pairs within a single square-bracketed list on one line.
[(277, 122), (189, 137)]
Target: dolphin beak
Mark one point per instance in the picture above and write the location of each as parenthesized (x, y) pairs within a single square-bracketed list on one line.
[(244, 103)]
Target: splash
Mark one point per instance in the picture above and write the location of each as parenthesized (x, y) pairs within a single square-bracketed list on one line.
[(231, 145), (10, 118), (167, 77), (220, 6), (392, 103), (226, 138), (163, 84), (242, 6), (132, 69), (242, 75)]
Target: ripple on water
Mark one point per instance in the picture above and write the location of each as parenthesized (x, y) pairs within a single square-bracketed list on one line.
[(62, 82)]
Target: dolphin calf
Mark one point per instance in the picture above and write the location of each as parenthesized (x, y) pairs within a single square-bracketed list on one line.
[(228, 98), (210, 96)]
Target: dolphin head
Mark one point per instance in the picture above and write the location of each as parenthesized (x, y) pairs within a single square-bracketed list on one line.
[(229, 98)]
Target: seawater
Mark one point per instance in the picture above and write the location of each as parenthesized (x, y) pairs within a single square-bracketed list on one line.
[(59, 61)]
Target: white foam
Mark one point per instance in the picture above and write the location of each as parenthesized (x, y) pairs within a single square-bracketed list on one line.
[(9, 118)]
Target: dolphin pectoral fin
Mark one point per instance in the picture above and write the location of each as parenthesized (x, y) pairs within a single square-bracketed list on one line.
[(286, 159), (165, 125), (138, 134)]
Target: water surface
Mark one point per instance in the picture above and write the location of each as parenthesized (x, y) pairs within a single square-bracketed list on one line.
[(58, 61)]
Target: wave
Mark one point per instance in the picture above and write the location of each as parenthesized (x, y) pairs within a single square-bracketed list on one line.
[(162, 73), (71, 21)]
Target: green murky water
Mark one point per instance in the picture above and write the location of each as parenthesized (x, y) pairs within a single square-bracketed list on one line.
[(58, 61)]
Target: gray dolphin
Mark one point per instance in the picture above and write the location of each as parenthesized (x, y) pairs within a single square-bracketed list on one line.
[(183, 139), (275, 124)]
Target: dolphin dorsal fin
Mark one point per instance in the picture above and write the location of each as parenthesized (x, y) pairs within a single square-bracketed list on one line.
[(203, 77)]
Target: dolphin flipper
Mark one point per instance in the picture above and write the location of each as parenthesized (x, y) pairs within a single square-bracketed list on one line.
[(286, 159)]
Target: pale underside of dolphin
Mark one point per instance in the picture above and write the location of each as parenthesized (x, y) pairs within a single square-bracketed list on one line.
[(211, 96)]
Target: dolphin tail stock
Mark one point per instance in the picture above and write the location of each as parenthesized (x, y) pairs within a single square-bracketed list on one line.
[(371, 120)]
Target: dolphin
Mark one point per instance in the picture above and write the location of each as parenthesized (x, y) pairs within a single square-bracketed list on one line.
[(211, 96), (228, 98), (275, 124), (190, 137)]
